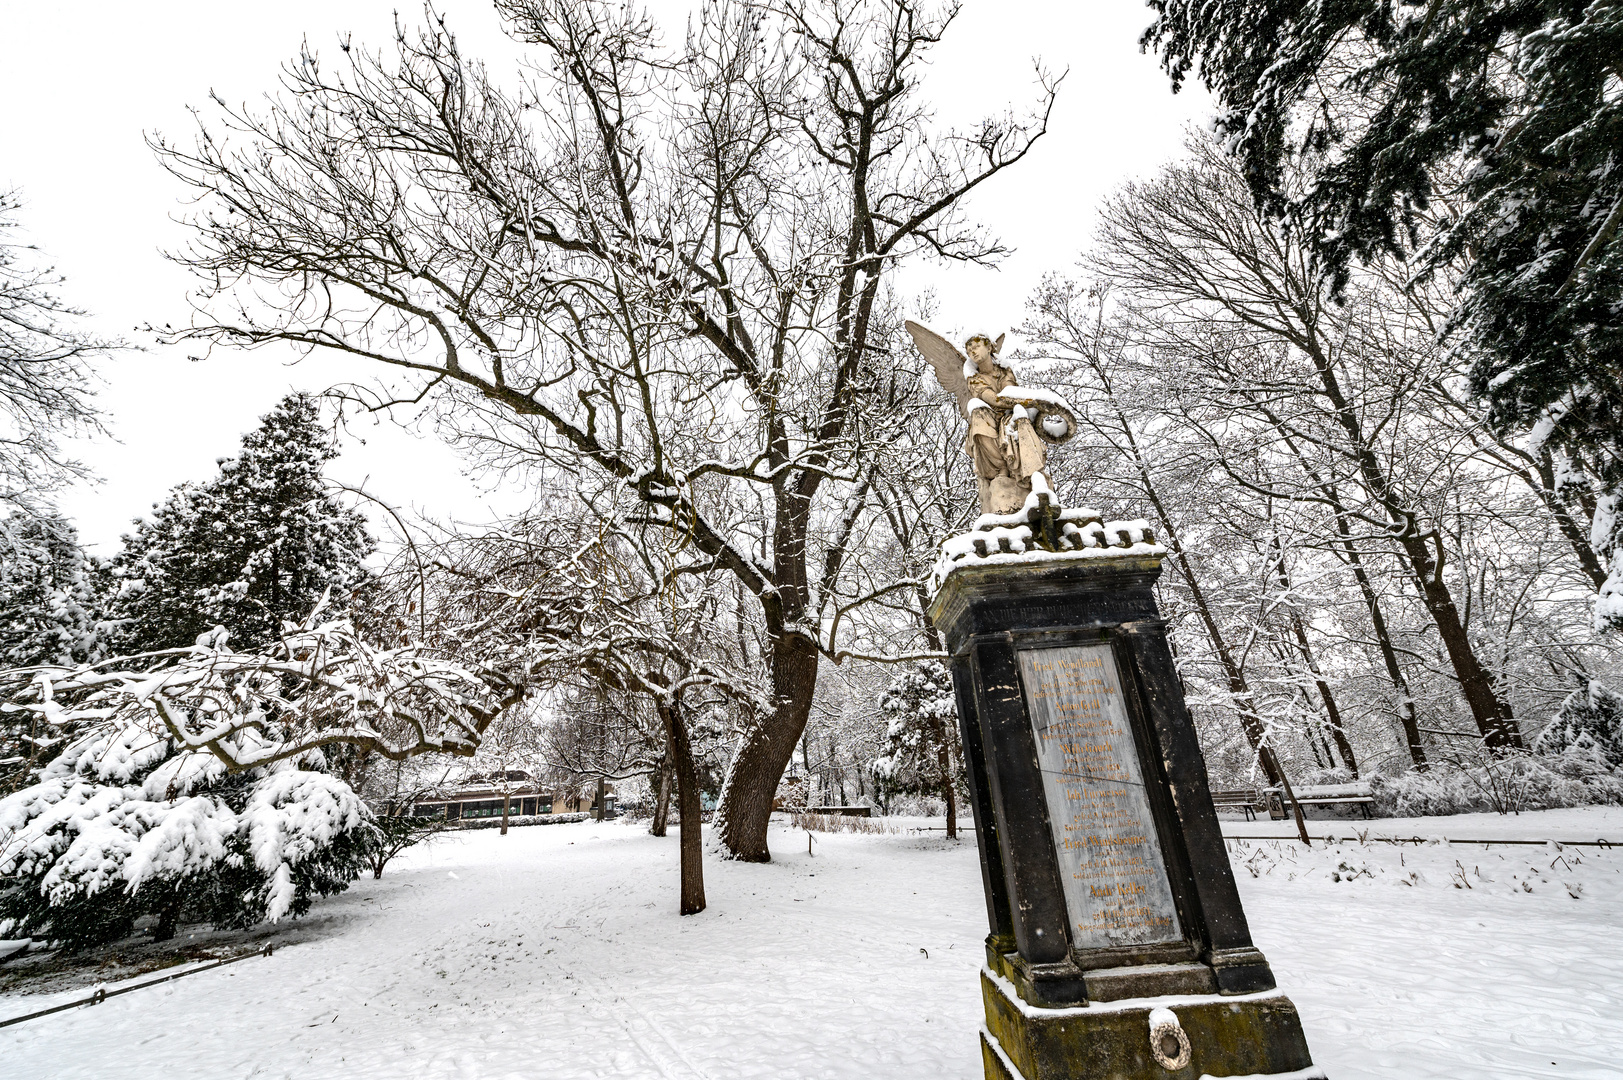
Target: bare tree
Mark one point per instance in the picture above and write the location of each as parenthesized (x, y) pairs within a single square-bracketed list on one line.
[(657, 270), (46, 381), (1271, 357)]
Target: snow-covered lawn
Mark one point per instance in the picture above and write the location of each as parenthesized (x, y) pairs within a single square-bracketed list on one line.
[(556, 953)]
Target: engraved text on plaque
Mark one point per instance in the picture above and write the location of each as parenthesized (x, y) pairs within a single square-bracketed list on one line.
[(1110, 859)]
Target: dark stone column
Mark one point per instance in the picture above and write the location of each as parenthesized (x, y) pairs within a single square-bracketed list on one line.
[(1237, 964), (1068, 616), (1000, 936)]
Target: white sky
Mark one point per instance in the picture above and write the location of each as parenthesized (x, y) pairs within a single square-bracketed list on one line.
[(81, 82)]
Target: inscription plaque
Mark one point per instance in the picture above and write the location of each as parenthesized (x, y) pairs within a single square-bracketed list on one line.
[(1111, 864)]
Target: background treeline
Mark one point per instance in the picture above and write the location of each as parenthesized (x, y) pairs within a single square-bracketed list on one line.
[(1362, 384)]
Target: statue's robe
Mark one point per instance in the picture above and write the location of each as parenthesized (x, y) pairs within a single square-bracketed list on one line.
[(1004, 456)]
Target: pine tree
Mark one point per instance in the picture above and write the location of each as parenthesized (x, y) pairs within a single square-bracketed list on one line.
[(1482, 136), (250, 550), (121, 826), (47, 616), (125, 823), (924, 752), (1589, 721), (47, 593)]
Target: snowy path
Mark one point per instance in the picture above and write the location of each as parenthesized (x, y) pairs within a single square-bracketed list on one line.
[(556, 952)]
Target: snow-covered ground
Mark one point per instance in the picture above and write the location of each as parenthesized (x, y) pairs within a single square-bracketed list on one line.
[(557, 952)]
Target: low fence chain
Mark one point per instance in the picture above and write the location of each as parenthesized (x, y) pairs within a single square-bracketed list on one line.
[(102, 993)]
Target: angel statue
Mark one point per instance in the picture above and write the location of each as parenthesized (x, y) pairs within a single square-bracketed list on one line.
[(1008, 424)]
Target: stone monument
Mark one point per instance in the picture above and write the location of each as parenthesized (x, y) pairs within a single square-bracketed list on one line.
[(1118, 947)]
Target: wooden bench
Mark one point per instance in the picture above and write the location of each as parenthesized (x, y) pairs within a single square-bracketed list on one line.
[(838, 811), (1333, 795), (1247, 799)]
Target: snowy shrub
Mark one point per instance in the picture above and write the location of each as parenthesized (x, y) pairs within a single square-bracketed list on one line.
[(1340, 774), (1508, 785), (123, 825), (1590, 721)]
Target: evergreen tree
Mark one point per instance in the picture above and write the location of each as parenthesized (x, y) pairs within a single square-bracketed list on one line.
[(47, 593), (249, 550), (121, 826), (1485, 134), (125, 823), (47, 616), (1590, 721), (924, 749)]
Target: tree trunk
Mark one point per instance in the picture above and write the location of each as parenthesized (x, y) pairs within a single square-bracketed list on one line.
[(1407, 716), (1250, 723), (752, 782), (168, 920), (1239, 691), (1332, 713), (507, 804), (602, 795), (689, 806), (1296, 807), (662, 803), (1576, 533), (1494, 718), (944, 760)]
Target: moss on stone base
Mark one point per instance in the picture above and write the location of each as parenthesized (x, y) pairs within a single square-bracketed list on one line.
[(1256, 1033)]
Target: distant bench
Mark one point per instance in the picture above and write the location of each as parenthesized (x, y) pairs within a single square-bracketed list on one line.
[(1358, 795), (1247, 799), (1250, 800), (836, 811)]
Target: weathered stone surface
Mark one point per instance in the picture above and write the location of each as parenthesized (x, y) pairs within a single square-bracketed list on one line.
[(1109, 890), (1244, 1036)]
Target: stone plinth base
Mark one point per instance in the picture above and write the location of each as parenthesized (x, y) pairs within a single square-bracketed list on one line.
[(1248, 1035)]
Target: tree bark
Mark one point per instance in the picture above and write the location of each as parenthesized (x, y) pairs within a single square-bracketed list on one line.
[(662, 803), (944, 760), (1239, 691), (597, 804), (752, 782), (168, 920), (689, 806), (1494, 718), (507, 804)]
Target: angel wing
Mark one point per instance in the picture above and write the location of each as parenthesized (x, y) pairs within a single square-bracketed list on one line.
[(945, 358)]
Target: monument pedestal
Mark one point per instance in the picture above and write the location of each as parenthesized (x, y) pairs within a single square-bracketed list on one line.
[(1244, 1036), (1118, 946)]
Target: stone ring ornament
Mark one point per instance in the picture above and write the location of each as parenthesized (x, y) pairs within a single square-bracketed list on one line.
[(1168, 1043), (1054, 421)]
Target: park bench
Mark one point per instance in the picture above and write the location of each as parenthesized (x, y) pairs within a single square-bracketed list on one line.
[(838, 811), (1358, 795), (1246, 799)]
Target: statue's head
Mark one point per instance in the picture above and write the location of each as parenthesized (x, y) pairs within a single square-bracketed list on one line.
[(982, 348)]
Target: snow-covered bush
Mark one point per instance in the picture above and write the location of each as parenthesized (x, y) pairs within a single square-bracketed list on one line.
[(196, 785), (1590, 721), (124, 825), (1507, 785)]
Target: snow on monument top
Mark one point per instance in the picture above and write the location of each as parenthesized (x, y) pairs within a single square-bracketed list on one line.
[(1041, 532)]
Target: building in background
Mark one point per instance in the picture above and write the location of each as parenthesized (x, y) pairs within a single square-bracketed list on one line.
[(482, 796)]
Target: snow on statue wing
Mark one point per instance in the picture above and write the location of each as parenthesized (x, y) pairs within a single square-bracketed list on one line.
[(944, 357)]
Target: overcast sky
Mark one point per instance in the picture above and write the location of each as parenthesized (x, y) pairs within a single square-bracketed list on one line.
[(82, 82)]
